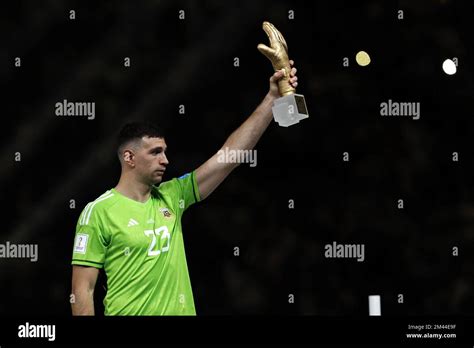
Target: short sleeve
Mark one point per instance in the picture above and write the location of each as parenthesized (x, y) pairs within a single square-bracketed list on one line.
[(189, 190), (90, 242)]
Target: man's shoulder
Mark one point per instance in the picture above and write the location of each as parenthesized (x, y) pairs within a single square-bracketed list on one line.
[(98, 206), (165, 187), (105, 200), (172, 184)]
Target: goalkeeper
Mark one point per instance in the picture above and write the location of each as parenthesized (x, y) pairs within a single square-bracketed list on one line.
[(133, 231)]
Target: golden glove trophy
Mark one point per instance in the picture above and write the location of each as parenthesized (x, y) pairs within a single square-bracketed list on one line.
[(290, 108)]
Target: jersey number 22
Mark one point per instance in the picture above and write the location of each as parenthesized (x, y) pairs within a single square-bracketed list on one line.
[(160, 231)]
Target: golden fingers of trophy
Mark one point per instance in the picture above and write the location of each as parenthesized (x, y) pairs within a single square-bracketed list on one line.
[(291, 107)]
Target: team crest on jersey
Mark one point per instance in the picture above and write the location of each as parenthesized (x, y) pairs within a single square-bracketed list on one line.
[(166, 212)]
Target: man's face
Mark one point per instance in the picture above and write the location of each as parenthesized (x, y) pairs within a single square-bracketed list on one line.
[(150, 160)]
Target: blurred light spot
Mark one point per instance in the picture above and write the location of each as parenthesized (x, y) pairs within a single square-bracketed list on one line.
[(362, 58), (449, 67)]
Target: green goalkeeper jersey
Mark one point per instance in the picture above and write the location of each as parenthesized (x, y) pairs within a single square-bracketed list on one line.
[(140, 246)]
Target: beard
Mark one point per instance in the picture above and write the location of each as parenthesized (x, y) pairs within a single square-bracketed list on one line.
[(155, 178)]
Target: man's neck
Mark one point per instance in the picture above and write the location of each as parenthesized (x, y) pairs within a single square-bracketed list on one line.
[(133, 189)]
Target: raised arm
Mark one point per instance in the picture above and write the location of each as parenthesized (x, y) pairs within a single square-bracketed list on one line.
[(83, 285), (210, 174)]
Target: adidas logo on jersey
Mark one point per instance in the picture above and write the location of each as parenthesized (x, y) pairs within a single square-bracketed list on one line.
[(132, 222)]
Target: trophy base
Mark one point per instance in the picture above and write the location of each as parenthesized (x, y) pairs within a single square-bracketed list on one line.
[(289, 110)]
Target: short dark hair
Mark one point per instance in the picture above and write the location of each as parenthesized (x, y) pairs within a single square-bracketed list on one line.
[(136, 131)]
